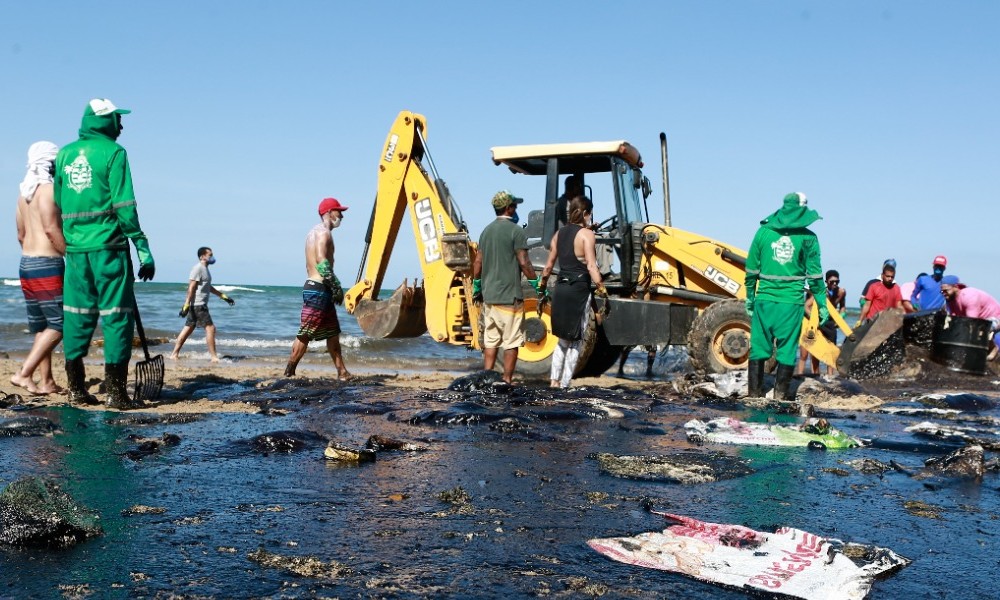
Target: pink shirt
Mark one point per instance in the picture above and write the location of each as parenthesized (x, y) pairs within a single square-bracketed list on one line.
[(970, 302)]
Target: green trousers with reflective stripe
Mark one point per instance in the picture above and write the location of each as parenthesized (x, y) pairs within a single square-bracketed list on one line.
[(98, 284), (776, 325)]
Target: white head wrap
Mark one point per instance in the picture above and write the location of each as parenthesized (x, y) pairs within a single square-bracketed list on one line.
[(41, 155)]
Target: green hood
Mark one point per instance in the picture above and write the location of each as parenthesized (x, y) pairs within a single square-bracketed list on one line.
[(106, 126), (793, 214)]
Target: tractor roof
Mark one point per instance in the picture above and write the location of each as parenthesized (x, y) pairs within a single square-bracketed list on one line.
[(587, 157)]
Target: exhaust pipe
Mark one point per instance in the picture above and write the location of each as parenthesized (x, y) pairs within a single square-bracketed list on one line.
[(666, 179)]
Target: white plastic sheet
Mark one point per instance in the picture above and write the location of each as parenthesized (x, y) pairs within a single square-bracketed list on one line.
[(789, 562)]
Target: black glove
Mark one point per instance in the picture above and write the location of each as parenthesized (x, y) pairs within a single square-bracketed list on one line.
[(147, 271), (227, 299), (184, 310)]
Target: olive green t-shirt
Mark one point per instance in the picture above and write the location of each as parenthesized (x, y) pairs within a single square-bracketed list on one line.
[(501, 273)]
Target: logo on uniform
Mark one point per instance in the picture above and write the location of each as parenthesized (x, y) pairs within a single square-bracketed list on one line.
[(79, 173), (784, 250)]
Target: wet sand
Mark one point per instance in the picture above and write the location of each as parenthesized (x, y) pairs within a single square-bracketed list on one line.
[(183, 373)]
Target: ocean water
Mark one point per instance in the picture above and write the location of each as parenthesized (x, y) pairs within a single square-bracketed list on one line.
[(259, 328)]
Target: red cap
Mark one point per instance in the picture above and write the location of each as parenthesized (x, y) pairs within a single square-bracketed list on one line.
[(940, 260), (329, 204)]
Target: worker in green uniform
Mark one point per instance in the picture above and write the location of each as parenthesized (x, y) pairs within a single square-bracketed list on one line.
[(93, 189), (784, 258)]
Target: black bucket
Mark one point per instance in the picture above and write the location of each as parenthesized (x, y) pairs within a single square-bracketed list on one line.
[(961, 343)]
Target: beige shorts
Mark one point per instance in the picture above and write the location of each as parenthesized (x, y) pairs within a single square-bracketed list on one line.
[(503, 325)]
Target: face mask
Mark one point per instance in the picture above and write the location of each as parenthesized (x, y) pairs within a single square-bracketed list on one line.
[(210, 261), (938, 273), (335, 222), (515, 218)]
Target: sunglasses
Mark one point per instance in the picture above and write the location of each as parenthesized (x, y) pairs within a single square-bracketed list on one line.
[(833, 281)]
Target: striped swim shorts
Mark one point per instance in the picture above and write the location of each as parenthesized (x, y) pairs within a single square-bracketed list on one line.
[(42, 284), (319, 314)]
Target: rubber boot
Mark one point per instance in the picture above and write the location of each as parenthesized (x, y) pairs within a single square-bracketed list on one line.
[(115, 383), (755, 379), (783, 382), (76, 373), (290, 370)]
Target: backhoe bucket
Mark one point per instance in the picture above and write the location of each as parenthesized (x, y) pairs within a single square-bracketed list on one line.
[(875, 347), (399, 316)]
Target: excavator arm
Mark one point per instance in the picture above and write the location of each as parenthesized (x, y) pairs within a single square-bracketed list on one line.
[(407, 181)]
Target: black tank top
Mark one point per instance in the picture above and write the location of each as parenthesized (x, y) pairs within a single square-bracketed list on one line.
[(570, 266)]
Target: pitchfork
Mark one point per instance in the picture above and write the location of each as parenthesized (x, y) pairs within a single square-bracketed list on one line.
[(149, 372)]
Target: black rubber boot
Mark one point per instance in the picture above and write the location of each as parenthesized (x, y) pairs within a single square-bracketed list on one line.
[(77, 374), (783, 382), (116, 385), (755, 379), (290, 370)]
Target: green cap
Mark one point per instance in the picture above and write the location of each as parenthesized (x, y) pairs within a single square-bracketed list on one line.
[(503, 199)]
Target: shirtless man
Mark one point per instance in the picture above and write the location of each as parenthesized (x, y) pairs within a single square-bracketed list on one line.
[(321, 292), (39, 231)]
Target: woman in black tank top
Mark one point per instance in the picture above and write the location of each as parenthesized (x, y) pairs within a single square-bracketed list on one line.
[(571, 296)]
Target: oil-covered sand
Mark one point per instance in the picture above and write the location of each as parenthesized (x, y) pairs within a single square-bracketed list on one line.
[(496, 497)]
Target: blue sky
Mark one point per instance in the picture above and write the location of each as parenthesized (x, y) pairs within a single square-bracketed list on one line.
[(246, 114)]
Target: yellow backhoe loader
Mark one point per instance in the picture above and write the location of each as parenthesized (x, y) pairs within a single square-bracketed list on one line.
[(666, 285)]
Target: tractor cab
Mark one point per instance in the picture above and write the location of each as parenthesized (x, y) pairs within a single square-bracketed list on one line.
[(610, 174)]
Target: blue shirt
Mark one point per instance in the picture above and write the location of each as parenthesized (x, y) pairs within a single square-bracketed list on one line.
[(927, 294)]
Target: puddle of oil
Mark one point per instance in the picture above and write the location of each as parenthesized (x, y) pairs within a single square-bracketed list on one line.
[(534, 503)]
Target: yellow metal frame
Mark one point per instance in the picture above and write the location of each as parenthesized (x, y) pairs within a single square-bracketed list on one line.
[(404, 186)]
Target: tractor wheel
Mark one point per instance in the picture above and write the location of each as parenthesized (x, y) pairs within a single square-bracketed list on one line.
[(602, 357), (719, 340), (535, 357)]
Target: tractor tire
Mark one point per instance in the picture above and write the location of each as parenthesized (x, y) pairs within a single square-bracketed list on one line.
[(719, 340), (602, 357), (535, 358)]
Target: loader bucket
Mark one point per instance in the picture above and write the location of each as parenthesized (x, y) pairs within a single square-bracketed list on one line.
[(875, 347), (398, 316)]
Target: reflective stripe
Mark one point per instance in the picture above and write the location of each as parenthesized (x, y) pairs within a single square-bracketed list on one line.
[(101, 213), (81, 215), (752, 272), (81, 311), (783, 277), (95, 311)]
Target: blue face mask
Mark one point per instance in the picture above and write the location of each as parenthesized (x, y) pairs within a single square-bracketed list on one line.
[(515, 218), (210, 261)]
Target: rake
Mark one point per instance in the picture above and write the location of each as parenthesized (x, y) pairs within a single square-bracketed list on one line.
[(148, 373)]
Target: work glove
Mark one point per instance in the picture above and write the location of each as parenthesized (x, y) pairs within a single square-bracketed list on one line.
[(602, 293), (227, 299), (336, 291), (542, 300), (146, 271), (824, 313), (535, 285), (184, 310), (749, 305), (477, 291)]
